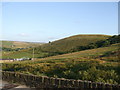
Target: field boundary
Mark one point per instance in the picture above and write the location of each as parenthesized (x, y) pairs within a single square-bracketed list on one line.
[(35, 81)]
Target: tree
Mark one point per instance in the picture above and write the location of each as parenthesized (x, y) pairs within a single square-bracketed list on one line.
[(49, 41)]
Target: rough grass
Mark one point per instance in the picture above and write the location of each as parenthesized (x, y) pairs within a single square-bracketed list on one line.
[(19, 54), (78, 65), (68, 43), (63, 45), (93, 54)]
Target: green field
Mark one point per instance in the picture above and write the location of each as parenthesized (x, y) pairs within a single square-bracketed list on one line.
[(17, 49)]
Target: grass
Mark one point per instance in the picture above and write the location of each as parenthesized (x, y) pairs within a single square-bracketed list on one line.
[(19, 54), (97, 65), (86, 55), (66, 44), (18, 44), (100, 63), (63, 45)]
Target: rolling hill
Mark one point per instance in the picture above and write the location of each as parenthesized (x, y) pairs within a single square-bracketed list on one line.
[(66, 44), (18, 44), (97, 65), (10, 49), (53, 48)]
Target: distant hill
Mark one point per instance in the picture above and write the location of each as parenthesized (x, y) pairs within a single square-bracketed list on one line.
[(66, 44), (19, 44), (52, 48)]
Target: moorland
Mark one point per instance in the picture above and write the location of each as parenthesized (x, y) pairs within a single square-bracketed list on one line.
[(84, 57)]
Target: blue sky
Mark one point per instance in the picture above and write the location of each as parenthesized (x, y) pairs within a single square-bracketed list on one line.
[(49, 21)]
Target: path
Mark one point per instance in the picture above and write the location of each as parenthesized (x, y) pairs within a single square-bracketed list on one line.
[(8, 86)]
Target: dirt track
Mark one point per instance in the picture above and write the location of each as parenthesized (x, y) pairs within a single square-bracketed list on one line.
[(8, 86)]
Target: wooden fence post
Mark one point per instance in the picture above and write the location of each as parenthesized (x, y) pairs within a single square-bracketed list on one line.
[(94, 85), (50, 82), (81, 84), (58, 82)]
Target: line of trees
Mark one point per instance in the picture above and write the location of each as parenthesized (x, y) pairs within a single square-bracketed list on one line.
[(10, 49), (103, 43)]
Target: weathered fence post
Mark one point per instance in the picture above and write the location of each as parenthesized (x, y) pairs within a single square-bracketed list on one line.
[(94, 85), (81, 84), (57, 82), (62, 83), (116, 87), (50, 82), (108, 86)]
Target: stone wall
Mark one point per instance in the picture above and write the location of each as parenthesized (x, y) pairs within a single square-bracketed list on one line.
[(35, 81)]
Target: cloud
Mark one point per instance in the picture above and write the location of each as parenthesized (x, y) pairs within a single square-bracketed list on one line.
[(23, 34)]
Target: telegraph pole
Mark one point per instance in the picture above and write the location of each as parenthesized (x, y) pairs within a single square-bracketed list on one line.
[(33, 54)]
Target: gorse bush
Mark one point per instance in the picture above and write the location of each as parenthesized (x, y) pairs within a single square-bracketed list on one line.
[(97, 65), (102, 43), (97, 75), (89, 70)]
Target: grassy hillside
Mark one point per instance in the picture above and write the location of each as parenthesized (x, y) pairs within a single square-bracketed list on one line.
[(66, 44), (98, 65), (22, 53), (18, 44), (16, 49), (53, 48)]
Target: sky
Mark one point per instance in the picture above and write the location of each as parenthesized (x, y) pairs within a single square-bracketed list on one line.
[(49, 21)]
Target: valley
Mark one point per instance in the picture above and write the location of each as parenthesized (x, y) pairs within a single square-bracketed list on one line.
[(96, 64)]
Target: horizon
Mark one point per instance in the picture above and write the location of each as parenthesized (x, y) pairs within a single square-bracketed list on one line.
[(57, 39), (50, 21)]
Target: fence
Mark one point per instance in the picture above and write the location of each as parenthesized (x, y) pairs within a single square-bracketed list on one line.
[(35, 81)]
